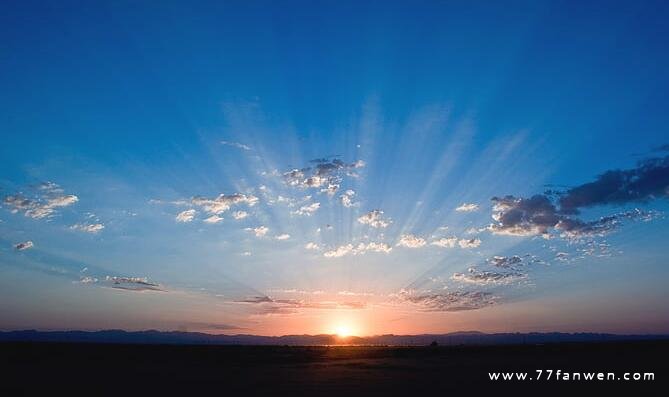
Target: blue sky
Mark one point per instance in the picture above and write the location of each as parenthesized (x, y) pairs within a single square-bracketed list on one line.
[(384, 166)]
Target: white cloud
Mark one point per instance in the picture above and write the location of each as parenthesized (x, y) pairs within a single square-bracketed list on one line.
[(312, 246), (411, 241), (223, 202), (347, 199), (375, 219), (88, 227), (259, 231), (445, 242), (24, 245), (213, 219), (326, 174), (240, 215), (246, 253), (284, 236), (185, 216), (48, 200), (339, 251), (467, 207), (307, 210), (360, 249), (236, 144)]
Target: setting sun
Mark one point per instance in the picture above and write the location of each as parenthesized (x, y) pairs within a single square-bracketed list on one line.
[(343, 331)]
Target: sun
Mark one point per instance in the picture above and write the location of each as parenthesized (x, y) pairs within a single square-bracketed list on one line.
[(343, 331)]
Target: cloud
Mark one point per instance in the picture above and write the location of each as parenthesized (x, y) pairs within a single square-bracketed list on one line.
[(331, 189), (92, 228), (445, 242), (648, 181), (467, 207), (48, 199), (347, 199), (312, 246), (236, 144), (339, 251), (411, 241), (223, 202), (268, 305), (539, 216), (359, 249), (259, 231), (185, 216), (469, 243), (212, 219), (448, 301), (474, 276), (307, 210), (238, 215), (284, 236), (505, 262), (24, 245), (132, 283), (375, 219), (326, 174)]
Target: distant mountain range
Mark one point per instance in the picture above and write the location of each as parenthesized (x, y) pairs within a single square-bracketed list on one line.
[(196, 338)]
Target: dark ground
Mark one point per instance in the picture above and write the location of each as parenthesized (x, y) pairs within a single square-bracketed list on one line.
[(98, 369)]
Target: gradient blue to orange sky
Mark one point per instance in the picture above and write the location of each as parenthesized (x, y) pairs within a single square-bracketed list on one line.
[(318, 167)]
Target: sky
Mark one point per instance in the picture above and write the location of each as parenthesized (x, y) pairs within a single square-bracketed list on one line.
[(334, 167)]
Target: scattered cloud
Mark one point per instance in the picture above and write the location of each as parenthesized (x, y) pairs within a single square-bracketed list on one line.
[(92, 228), (505, 262), (347, 199), (24, 245), (238, 215), (448, 301), (411, 241), (186, 216), (445, 242), (475, 276), (375, 219), (212, 219), (223, 202), (284, 236), (469, 243), (467, 207), (307, 210), (236, 144), (359, 249), (312, 246), (132, 283), (48, 199), (326, 174), (259, 231)]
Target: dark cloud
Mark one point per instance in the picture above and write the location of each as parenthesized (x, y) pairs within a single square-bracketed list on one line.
[(132, 283), (268, 305), (556, 211), (326, 174), (648, 181), (23, 245), (538, 216), (448, 301), (475, 276)]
